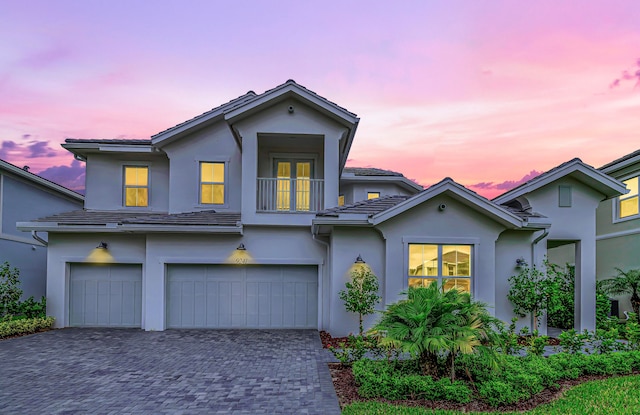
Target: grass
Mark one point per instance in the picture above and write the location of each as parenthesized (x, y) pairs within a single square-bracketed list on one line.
[(617, 395)]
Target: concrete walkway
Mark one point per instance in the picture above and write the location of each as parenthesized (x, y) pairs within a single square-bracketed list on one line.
[(115, 371)]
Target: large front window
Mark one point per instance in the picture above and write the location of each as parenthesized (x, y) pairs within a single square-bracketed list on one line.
[(136, 186), (211, 183), (628, 204), (449, 265), (294, 185)]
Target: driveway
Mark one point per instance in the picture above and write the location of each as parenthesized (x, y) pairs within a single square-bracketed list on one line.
[(116, 371)]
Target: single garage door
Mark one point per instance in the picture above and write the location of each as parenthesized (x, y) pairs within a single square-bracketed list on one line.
[(227, 296), (105, 295)]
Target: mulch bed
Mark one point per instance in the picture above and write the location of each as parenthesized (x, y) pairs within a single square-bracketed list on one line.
[(347, 391)]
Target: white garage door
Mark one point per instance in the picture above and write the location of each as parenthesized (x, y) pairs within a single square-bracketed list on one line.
[(109, 295), (227, 296)]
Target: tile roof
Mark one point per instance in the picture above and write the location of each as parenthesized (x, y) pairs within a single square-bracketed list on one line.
[(620, 160), (91, 217), (521, 213), (371, 171), (368, 207), (242, 99), (109, 141)]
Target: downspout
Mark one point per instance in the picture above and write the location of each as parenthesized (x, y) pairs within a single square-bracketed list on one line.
[(34, 235), (535, 243)]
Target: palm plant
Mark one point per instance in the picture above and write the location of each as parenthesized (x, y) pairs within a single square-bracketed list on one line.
[(625, 283), (431, 322)]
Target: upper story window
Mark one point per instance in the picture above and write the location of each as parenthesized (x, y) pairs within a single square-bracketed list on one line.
[(628, 204), (449, 265), (373, 195), (341, 200), (136, 186), (294, 184), (212, 183)]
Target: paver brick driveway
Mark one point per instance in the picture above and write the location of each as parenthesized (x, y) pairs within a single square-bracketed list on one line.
[(119, 371)]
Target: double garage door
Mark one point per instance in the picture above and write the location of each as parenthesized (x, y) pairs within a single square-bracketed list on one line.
[(220, 296), (197, 296)]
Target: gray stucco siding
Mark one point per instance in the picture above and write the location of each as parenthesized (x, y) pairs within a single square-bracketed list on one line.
[(105, 180), (214, 143)]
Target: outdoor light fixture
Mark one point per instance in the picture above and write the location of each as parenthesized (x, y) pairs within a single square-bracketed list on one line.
[(359, 260), (103, 245), (241, 247), (521, 262)]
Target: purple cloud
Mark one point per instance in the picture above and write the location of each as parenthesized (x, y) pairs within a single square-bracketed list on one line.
[(10, 150), (628, 75), (507, 184), (71, 177)]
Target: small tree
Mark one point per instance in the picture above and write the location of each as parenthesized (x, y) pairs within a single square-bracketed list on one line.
[(10, 291), (530, 292), (361, 294), (625, 283)]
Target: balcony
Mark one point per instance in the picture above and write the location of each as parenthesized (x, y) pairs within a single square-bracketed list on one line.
[(290, 195)]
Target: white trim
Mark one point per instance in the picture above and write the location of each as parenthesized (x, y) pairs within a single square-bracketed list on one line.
[(615, 208), (225, 183), (123, 185), (135, 227), (618, 234)]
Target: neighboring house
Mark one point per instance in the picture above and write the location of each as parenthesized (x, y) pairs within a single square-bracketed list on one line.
[(23, 196), (618, 223), (234, 219)]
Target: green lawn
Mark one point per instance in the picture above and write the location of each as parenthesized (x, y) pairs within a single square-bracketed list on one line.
[(619, 396)]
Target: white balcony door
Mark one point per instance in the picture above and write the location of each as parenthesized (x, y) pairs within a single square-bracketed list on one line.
[(293, 190)]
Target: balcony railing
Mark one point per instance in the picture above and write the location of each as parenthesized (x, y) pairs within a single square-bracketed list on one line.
[(290, 195)]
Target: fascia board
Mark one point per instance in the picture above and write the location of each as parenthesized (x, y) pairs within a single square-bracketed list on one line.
[(460, 194), (345, 154), (281, 93), (127, 149), (614, 185), (620, 165), (43, 182), (54, 227), (111, 227)]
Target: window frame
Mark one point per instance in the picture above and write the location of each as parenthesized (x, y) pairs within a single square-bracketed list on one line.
[(293, 160), (225, 183), (473, 267), (615, 208), (125, 186)]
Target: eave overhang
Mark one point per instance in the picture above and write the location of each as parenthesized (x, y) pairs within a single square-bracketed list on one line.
[(127, 228)]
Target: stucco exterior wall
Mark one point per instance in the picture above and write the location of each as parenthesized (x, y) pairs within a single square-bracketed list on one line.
[(576, 223), (291, 246), (278, 120), (213, 144), (105, 181), (21, 201), (346, 244), (355, 192)]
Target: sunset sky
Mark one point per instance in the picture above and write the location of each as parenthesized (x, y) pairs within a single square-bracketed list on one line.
[(486, 92)]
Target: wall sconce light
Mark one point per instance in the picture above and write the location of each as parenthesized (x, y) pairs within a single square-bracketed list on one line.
[(521, 262), (241, 247), (103, 245), (359, 260)]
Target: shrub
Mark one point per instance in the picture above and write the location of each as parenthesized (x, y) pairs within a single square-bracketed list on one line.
[(31, 308), (625, 283), (25, 326), (632, 332), (498, 392), (361, 294), (10, 291), (431, 323), (535, 344), (355, 348), (571, 341)]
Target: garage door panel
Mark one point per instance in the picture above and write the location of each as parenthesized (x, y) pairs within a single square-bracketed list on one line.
[(251, 297), (105, 295)]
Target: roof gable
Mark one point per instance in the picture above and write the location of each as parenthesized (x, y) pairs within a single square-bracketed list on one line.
[(460, 193), (34, 178), (574, 168)]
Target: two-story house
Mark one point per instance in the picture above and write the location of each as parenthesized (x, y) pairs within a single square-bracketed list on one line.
[(24, 196), (245, 216), (618, 223)]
